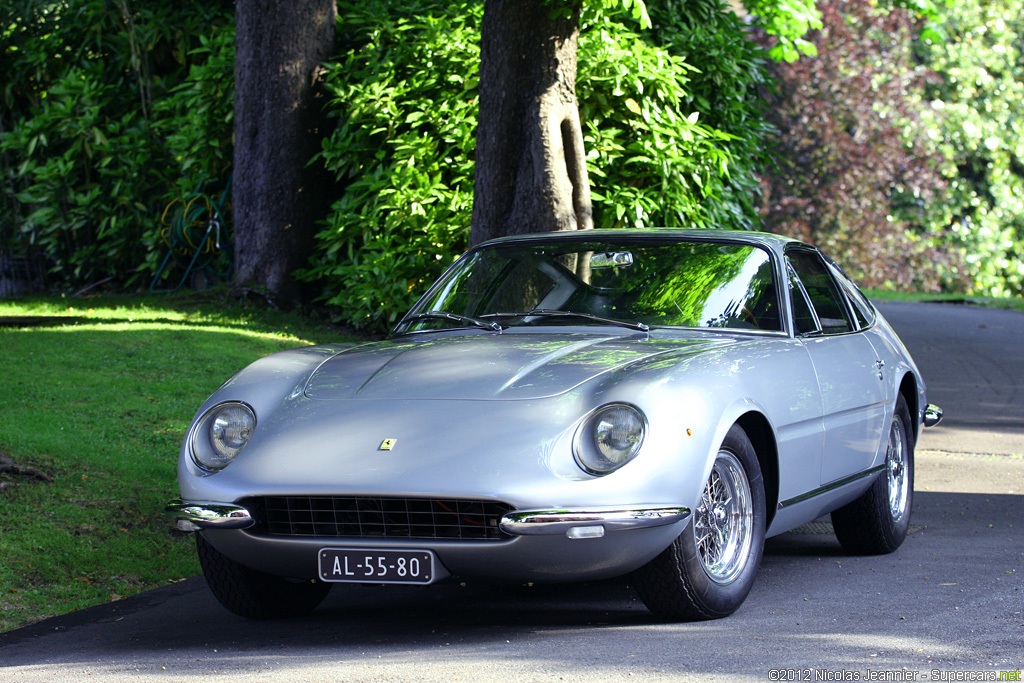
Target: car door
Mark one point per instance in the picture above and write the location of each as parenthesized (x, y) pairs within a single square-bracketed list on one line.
[(849, 371)]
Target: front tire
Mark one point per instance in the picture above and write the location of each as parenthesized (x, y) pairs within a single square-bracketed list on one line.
[(255, 595), (709, 569), (878, 521)]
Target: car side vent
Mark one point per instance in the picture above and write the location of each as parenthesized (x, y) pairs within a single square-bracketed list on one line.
[(364, 517)]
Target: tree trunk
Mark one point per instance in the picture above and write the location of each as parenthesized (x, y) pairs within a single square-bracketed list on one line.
[(531, 174), (277, 199)]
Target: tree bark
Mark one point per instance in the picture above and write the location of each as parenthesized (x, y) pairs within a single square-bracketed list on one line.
[(531, 173), (277, 198)]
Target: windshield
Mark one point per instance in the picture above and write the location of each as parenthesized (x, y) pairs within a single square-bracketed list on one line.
[(629, 281)]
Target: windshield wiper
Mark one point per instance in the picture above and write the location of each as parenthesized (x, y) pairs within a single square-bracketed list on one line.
[(445, 315), (550, 313)]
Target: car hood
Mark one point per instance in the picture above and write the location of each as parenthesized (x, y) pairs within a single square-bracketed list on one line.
[(509, 366)]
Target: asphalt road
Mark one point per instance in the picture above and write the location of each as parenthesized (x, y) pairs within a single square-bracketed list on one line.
[(973, 361), (951, 599)]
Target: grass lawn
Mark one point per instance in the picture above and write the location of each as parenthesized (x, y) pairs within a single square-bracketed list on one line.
[(1011, 303), (96, 396)]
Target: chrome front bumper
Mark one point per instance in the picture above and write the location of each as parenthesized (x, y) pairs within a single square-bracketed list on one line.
[(196, 516), (588, 523)]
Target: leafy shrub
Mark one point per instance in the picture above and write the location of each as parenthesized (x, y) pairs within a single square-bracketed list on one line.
[(725, 87), (405, 97), (974, 120), (81, 171), (650, 159), (855, 173), (196, 124), (84, 165), (404, 93)]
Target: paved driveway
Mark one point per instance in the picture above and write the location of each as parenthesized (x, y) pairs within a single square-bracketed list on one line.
[(951, 599), (973, 361)]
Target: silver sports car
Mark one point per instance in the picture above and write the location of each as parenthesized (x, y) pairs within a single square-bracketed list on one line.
[(565, 407)]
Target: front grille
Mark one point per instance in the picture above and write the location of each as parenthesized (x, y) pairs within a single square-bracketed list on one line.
[(363, 517)]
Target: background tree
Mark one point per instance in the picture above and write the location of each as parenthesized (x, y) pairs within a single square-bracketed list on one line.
[(531, 172), (278, 196), (404, 96), (111, 110), (855, 172), (974, 121)]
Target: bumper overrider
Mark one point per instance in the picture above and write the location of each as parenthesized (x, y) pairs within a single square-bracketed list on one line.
[(574, 523)]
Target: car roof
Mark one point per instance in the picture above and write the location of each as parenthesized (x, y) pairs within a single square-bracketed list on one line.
[(776, 243)]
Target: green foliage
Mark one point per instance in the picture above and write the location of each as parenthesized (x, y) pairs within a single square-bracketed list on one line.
[(790, 21), (726, 89), (84, 163), (196, 124), (650, 159), (79, 172), (404, 94), (902, 152), (974, 121), (196, 120)]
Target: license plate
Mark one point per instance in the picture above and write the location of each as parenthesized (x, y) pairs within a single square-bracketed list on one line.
[(359, 565)]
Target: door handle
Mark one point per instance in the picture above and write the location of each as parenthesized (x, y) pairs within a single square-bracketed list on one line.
[(879, 364)]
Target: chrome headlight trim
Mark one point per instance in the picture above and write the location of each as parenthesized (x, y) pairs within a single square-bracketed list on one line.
[(598, 450), (217, 437)]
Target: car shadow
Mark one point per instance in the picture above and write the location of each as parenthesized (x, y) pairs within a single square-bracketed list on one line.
[(959, 537)]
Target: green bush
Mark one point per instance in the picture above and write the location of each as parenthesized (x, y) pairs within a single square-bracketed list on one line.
[(651, 160), (974, 120), (724, 89), (88, 149), (405, 98), (404, 92)]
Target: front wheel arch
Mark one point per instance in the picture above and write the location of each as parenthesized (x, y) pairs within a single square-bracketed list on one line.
[(762, 438)]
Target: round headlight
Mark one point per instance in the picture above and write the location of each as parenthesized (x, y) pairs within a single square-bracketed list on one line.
[(221, 434), (609, 438)]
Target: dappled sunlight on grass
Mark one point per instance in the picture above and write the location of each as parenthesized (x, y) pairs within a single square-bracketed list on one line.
[(100, 404)]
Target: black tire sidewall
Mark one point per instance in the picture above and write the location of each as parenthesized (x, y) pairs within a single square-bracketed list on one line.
[(723, 599), (866, 525)]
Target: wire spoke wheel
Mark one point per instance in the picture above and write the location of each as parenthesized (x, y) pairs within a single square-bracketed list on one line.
[(709, 569), (897, 467), (723, 525)]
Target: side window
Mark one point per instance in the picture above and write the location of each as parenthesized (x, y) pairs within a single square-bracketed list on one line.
[(821, 287), (862, 308), (803, 316)]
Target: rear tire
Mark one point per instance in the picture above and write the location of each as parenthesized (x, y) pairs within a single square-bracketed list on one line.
[(709, 569), (878, 521), (255, 595)]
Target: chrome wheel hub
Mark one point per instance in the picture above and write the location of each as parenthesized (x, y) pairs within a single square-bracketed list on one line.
[(896, 466), (723, 525)]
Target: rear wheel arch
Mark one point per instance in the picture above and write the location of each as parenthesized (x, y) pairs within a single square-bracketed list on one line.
[(909, 390), (761, 436)]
